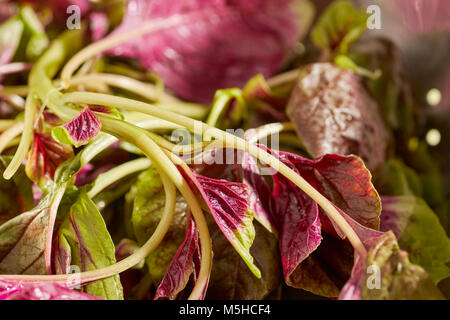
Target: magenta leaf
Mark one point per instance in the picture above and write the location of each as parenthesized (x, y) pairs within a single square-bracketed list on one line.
[(229, 204), (213, 44), (299, 224), (259, 191), (345, 181), (422, 16), (185, 264), (80, 130), (342, 179), (99, 25), (334, 113), (16, 290), (45, 156)]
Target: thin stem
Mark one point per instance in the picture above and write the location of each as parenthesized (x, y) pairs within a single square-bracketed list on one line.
[(217, 110), (286, 77), (7, 136), (178, 149), (6, 124), (14, 67), (109, 177), (270, 129), (144, 90), (25, 141), (231, 141), (13, 143), (18, 90)]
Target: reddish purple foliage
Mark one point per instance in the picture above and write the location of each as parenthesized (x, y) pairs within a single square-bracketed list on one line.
[(216, 44), (419, 16), (185, 263), (83, 127), (16, 290)]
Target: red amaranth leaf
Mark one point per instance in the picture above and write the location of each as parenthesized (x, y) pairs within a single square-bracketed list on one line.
[(334, 113), (298, 222), (17, 290), (420, 16), (45, 156), (229, 204), (215, 44), (345, 181), (185, 264), (80, 130), (298, 219)]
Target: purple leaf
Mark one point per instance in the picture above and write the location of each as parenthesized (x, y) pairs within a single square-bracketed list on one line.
[(422, 16), (45, 156), (16, 290), (186, 263), (99, 25), (215, 44), (259, 191), (299, 224), (333, 113), (229, 204), (345, 181), (80, 130)]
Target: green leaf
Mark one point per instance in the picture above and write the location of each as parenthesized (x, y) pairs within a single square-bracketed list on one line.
[(23, 239), (419, 232), (397, 179), (400, 279), (37, 40), (148, 199), (84, 241), (10, 35), (231, 279), (338, 27), (392, 89)]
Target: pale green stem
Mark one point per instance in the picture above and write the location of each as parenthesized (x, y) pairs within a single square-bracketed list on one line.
[(282, 78), (6, 124), (217, 110), (270, 129), (19, 90), (109, 177), (27, 137), (7, 136), (144, 90)]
